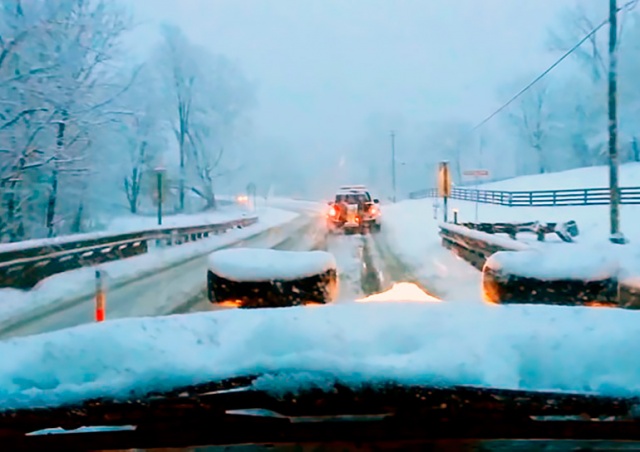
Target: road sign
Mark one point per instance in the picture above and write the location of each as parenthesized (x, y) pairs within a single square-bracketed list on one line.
[(476, 173), (444, 179)]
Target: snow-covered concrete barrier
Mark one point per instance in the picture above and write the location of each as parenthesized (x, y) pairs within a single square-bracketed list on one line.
[(581, 275), (257, 278)]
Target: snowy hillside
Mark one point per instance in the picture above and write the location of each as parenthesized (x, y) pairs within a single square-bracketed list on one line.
[(591, 177)]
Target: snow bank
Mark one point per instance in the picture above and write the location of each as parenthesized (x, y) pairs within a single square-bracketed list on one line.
[(583, 263), (591, 177), (133, 224), (248, 264), (137, 223), (517, 347)]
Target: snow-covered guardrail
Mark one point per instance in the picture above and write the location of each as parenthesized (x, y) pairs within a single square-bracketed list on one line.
[(475, 246), (24, 264)]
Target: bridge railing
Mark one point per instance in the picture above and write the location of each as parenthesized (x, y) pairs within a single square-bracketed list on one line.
[(24, 264)]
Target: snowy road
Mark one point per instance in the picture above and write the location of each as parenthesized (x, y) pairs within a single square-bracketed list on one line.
[(366, 265)]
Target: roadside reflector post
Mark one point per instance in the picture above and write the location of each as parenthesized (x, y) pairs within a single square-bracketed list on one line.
[(444, 186), (100, 297)]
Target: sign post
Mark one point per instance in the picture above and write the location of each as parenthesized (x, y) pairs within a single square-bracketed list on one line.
[(444, 186), (159, 171), (477, 174)]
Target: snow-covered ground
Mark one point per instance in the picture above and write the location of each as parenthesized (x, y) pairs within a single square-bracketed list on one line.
[(593, 221), (136, 223), (348, 252), (412, 230), (59, 290), (591, 177), (431, 343)]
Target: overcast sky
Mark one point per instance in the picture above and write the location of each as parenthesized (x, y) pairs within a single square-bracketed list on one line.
[(323, 67)]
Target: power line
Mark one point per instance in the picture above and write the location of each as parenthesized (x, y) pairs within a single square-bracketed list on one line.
[(629, 5)]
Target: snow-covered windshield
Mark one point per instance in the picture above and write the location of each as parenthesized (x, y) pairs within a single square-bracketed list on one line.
[(203, 158)]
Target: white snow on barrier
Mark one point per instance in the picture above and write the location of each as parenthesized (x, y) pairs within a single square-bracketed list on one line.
[(134, 224), (250, 264), (584, 263), (581, 350), (497, 240)]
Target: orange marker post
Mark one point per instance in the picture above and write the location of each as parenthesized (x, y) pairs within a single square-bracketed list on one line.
[(100, 297)]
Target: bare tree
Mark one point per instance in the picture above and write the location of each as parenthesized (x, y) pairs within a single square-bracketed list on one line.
[(531, 118), (208, 96), (54, 86)]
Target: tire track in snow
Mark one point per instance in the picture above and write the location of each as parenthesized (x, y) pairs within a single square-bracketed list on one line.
[(392, 269), (348, 252)]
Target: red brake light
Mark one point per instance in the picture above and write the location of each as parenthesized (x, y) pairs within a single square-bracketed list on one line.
[(332, 212)]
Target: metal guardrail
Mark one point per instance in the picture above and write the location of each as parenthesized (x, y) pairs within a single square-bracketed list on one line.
[(536, 198), (475, 246), (22, 267)]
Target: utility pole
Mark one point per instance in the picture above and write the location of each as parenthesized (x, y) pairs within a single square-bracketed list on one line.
[(614, 189), (393, 164)]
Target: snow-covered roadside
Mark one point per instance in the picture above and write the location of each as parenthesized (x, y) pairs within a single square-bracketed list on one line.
[(517, 347), (59, 290), (317, 207), (412, 233), (136, 223), (593, 221)]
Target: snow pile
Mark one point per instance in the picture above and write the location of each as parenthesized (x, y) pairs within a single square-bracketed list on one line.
[(248, 264), (585, 263), (517, 347)]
